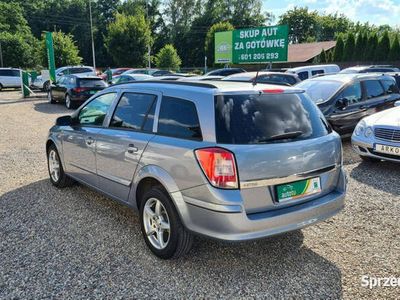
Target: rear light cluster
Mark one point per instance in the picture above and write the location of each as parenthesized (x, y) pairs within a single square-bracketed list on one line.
[(219, 167), (272, 91), (79, 89)]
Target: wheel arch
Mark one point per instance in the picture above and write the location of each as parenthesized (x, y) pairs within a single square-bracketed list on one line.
[(51, 141)]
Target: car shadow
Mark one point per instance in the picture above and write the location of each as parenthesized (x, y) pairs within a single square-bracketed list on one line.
[(49, 108), (380, 175), (83, 243)]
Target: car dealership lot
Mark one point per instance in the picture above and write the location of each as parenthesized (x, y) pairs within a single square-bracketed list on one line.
[(76, 243)]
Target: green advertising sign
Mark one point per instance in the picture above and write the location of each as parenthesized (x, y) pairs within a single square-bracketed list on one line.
[(252, 45), (50, 56)]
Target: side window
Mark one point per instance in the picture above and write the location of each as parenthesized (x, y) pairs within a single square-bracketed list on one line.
[(178, 118), (95, 111), (316, 72), (135, 111), (15, 73), (352, 93), (61, 80), (373, 89), (390, 86), (303, 75)]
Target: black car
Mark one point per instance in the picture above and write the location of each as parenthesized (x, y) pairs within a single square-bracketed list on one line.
[(370, 69), (225, 72), (265, 77), (345, 99), (75, 89)]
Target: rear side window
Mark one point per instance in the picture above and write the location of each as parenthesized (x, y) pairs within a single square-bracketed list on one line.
[(266, 118), (373, 89), (92, 83), (390, 86), (303, 75), (135, 111), (316, 72), (178, 118)]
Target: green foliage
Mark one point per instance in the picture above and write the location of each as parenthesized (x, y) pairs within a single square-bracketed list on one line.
[(349, 47), (322, 56), (168, 58), (371, 47), (302, 23), (394, 54), (65, 50), (127, 40), (383, 47), (359, 48), (339, 48), (210, 44), (329, 25), (17, 51)]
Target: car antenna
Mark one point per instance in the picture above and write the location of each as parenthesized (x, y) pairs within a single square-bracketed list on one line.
[(255, 78)]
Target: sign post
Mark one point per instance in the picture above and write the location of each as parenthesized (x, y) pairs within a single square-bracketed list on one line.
[(50, 56), (252, 45)]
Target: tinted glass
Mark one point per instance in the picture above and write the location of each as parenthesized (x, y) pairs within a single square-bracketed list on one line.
[(79, 70), (277, 78), (390, 86), (320, 90), (135, 111), (373, 88), (258, 119), (316, 72), (179, 118), (92, 83), (95, 111), (303, 75), (11, 73), (352, 93)]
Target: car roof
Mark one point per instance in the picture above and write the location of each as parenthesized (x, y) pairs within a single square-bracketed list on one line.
[(211, 87), (84, 76), (349, 77), (313, 66), (250, 75)]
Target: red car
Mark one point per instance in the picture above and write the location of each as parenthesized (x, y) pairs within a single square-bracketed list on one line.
[(115, 72)]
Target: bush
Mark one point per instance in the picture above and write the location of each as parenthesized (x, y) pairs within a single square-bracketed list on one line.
[(168, 58)]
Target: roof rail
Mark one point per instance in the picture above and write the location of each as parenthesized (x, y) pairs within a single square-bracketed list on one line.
[(173, 82)]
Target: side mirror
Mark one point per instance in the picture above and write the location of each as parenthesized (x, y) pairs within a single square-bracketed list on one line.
[(397, 103), (65, 121), (342, 103)]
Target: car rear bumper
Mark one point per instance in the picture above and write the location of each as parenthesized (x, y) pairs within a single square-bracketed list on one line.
[(232, 223)]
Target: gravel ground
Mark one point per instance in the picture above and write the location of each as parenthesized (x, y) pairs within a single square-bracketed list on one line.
[(74, 243)]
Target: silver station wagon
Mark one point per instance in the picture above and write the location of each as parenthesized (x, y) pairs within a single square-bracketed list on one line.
[(228, 160)]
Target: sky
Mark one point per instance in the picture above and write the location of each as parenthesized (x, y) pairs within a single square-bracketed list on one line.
[(376, 12)]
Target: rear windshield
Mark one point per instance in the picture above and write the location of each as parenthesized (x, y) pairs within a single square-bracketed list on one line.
[(92, 83), (267, 118)]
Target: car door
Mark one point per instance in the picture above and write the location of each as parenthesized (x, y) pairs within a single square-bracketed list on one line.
[(391, 91), (79, 140), (15, 78), (57, 87), (375, 96), (347, 109), (120, 145)]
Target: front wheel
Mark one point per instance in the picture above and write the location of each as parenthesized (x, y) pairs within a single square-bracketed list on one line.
[(46, 86), (161, 226), (56, 172), (50, 97), (68, 102)]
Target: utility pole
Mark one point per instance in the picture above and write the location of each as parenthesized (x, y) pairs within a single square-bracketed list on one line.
[(1, 56), (91, 33), (148, 46)]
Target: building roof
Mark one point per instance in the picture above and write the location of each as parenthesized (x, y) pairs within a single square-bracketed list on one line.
[(307, 51)]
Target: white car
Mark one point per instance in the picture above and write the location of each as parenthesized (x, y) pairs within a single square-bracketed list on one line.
[(377, 137), (10, 78), (42, 84)]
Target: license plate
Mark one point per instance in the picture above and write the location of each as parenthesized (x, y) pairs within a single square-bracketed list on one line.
[(92, 92), (298, 189), (386, 149)]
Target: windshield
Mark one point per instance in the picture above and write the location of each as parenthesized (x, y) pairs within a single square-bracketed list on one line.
[(320, 90), (267, 118), (92, 83)]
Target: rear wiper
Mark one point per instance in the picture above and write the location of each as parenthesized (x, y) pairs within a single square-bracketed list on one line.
[(282, 136)]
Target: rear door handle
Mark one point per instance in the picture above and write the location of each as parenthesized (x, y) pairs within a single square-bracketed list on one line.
[(89, 141), (132, 148)]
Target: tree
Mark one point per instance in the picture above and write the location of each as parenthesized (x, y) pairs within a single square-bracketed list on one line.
[(301, 22), (322, 57), (338, 54), (371, 47), (349, 46), (210, 42), (245, 13), (127, 40), (359, 48), (394, 54), (383, 48), (329, 25), (168, 58), (65, 50)]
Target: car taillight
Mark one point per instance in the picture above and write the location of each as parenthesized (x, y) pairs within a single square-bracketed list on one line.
[(79, 89), (272, 91), (219, 167)]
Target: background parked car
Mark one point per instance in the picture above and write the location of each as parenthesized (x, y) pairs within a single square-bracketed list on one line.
[(265, 77), (370, 69), (73, 90), (345, 99), (152, 72), (10, 78), (307, 72), (201, 78), (40, 83), (130, 77), (377, 137), (114, 72), (225, 72)]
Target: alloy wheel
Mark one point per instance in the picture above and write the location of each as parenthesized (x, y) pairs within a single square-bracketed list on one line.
[(54, 165)]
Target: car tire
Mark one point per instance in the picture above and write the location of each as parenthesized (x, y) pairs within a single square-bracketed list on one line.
[(50, 97), (369, 159), (161, 226), (1, 87), (68, 102), (46, 86), (56, 172)]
